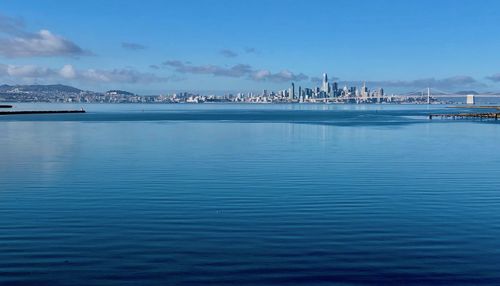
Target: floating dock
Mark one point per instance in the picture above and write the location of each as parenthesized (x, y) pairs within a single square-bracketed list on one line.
[(490, 115), (40, 112)]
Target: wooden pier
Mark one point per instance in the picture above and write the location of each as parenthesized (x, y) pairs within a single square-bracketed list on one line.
[(455, 116)]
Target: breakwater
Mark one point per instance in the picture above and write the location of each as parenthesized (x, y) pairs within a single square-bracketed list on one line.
[(40, 112)]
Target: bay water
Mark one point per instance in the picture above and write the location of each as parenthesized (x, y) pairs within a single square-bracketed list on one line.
[(230, 194)]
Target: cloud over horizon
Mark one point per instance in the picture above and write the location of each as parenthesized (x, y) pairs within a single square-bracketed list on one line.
[(494, 78), (282, 76), (68, 72), (248, 72), (239, 71)]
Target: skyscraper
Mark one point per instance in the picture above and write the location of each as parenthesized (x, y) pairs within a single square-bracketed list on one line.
[(292, 93), (364, 90), (335, 89), (325, 87)]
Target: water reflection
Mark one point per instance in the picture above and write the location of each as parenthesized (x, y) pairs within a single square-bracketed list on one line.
[(41, 148)]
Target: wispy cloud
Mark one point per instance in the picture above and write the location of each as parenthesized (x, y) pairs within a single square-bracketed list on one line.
[(494, 78), (133, 46), (251, 50), (15, 41), (282, 76), (120, 76), (228, 53), (239, 71), (11, 25)]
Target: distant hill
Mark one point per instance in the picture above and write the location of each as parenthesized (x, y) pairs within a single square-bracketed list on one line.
[(38, 88), (467, 92), (118, 92), (53, 88)]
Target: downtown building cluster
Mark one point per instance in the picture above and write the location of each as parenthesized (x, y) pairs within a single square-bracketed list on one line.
[(326, 92), (330, 92)]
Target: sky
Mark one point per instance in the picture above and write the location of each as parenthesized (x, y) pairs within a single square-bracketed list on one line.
[(215, 46)]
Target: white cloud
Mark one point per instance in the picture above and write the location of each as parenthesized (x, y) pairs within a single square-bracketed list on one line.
[(16, 41), (25, 71), (68, 71), (261, 74), (94, 75), (43, 43)]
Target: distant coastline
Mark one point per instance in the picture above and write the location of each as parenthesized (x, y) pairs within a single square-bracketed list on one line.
[(329, 94)]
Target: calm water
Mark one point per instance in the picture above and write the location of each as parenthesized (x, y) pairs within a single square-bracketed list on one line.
[(248, 195)]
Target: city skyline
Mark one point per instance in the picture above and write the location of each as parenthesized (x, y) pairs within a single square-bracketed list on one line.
[(227, 46), (326, 92)]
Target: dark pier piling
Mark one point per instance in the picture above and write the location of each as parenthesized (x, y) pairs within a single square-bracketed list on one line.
[(457, 116)]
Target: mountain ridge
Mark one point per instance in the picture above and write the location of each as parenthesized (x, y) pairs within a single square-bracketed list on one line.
[(42, 88)]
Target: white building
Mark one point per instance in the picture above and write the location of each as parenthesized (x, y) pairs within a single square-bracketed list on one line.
[(471, 100)]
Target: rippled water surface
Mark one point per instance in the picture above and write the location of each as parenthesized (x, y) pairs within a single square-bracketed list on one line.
[(248, 195)]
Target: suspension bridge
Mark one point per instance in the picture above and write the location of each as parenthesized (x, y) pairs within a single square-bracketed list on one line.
[(431, 92), (422, 95)]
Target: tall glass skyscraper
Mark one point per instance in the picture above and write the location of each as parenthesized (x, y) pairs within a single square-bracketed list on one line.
[(325, 87)]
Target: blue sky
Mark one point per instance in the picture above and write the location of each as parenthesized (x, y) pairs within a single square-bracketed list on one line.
[(217, 45)]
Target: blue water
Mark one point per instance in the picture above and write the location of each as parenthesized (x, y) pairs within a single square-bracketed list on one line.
[(248, 195)]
